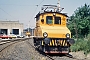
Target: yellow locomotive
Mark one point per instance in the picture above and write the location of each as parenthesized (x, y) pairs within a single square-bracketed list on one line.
[(51, 34)]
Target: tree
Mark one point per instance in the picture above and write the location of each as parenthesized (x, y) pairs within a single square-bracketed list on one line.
[(80, 21)]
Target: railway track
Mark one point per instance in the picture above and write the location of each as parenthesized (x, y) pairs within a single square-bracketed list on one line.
[(44, 56), (29, 42), (6, 43), (48, 57)]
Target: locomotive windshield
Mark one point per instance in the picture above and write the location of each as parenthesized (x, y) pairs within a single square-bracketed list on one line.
[(49, 20), (57, 20)]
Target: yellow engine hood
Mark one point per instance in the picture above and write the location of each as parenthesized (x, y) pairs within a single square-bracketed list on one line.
[(55, 31)]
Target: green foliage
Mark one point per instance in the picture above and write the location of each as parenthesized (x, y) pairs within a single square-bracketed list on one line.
[(79, 22), (79, 45), (87, 49), (82, 45)]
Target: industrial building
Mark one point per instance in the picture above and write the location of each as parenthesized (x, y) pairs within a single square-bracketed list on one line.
[(11, 27)]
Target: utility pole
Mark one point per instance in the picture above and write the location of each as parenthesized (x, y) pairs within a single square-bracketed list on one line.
[(58, 4), (59, 9), (28, 27), (76, 30)]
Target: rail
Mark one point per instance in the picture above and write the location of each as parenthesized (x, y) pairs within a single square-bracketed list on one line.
[(12, 40), (6, 43)]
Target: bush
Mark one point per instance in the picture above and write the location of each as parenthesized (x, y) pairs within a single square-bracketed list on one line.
[(87, 48), (82, 45), (79, 45)]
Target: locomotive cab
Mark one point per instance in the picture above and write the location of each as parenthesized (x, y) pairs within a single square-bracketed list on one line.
[(51, 34)]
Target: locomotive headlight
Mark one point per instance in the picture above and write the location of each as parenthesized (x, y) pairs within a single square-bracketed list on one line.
[(67, 35), (45, 34)]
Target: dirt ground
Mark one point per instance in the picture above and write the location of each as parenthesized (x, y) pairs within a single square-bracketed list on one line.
[(23, 51)]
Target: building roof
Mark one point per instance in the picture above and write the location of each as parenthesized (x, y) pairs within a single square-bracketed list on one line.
[(9, 21)]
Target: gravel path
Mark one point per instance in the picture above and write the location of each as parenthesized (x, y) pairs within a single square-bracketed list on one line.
[(23, 51), (18, 51)]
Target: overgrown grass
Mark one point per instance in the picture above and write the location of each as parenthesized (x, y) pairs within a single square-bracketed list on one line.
[(82, 45)]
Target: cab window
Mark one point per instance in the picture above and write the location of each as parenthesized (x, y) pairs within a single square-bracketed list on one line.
[(49, 19), (57, 20)]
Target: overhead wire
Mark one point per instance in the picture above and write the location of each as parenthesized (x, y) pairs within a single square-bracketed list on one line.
[(36, 9), (6, 12), (37, 6), (25, 5), (16, 5), (41, 2), (22, 5), (13, 5)]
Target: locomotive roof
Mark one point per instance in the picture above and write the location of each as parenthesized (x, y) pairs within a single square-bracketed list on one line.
[(50, 12)]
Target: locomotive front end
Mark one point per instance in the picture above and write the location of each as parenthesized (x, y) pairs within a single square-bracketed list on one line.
[(51, 32), (56, 39)]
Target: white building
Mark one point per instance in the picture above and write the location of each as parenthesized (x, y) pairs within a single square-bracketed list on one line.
[(11, 27)]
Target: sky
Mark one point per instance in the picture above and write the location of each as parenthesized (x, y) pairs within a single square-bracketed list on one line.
[(24, 11)]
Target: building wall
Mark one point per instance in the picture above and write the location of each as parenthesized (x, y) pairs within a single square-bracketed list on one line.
[(11, 25)]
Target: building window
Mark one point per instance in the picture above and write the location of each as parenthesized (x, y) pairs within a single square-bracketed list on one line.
[(4, 31), (49, 20), (15, 31), (57, 20)]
